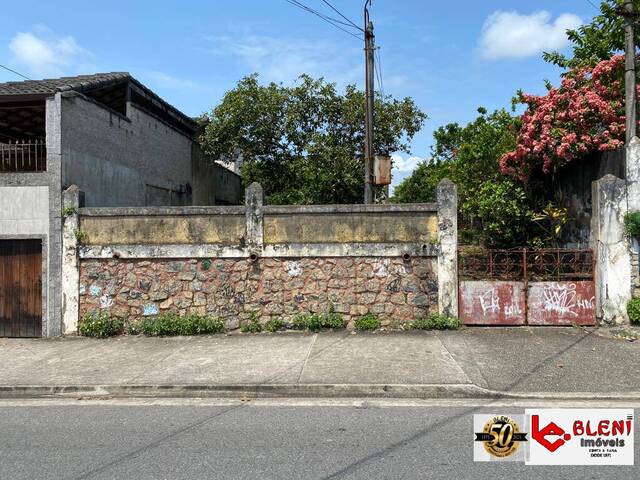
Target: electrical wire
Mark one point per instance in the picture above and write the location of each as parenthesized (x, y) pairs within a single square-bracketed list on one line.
[(340, 13), (378, 67), (332, 21), (327, 18), (593, 5), (13, 71)]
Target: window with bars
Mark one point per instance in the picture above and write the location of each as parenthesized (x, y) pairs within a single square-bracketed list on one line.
[(23, 156)]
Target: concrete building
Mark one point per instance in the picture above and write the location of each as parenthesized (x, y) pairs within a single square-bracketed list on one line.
[(119, 142)]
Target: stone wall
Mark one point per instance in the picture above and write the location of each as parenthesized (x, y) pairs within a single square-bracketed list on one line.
[(397, 291), (396, 261)]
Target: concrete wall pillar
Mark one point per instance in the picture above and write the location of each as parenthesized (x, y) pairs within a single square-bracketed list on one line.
[(52, 322), (447, 196), (612, 250), (254, 201), (632, 166), (72, 200)]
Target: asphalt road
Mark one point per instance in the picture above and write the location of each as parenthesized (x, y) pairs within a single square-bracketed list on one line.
[(256, 440)]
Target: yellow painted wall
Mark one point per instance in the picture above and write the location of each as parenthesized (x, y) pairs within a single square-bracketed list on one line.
[(158, 230), (351, 228)]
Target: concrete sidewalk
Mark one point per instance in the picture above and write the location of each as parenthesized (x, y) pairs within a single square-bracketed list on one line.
[(474, 362)]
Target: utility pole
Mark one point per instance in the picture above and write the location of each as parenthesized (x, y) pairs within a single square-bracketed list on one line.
[(630, 70), (369, 40)]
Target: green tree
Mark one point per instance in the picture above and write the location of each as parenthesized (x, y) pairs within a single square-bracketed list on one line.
[(494, 209), (596, 41), (304, 143)]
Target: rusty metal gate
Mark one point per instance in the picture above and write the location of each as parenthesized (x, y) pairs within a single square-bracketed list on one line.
[(526, 287)]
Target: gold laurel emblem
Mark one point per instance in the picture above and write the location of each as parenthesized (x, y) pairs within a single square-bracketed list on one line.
[(502, 431)]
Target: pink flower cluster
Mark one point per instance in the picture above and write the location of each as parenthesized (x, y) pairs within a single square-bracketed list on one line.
[(584, 115)]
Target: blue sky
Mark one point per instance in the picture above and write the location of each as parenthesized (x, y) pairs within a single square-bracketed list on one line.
[(450, 60)]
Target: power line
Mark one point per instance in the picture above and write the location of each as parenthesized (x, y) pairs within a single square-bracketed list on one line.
[(17, 73), (348, 23), (593, 5), (329, 20), (378, 67), (340, 13), (298, 3), (334, 21)]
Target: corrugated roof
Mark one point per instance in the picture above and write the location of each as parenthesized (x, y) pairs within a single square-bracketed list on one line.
[(50, 86)]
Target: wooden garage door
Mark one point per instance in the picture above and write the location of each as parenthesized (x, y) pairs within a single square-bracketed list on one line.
[(20, 288)]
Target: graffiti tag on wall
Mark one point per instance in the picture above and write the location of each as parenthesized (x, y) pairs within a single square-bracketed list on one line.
[(562, 303), (492, 303)]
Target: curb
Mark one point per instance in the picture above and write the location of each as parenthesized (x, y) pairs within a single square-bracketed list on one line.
[(429, 391)]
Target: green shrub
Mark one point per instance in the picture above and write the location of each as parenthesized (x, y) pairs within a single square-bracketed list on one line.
[(133, 328), (315, 322), (332, 320), (100, 324), (171, 324), (367, 322), (274, 325), (632, 224), (308, 321), (253, 326), (633, 309), (436, 322)]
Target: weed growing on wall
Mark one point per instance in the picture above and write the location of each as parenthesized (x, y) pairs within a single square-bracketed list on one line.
[(367, 322), (69, 210), (100, 324), (436, 322), (81, 236)]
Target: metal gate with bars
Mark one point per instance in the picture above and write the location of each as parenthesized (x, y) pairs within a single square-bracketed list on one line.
[(526, 287), (20, 288)]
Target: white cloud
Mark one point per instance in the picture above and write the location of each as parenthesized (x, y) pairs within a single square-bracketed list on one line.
[(44, 53), (285, 59), (512, 35), (408, 164)]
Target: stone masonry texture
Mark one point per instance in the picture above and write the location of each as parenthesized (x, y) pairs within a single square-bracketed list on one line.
[(396, 290)]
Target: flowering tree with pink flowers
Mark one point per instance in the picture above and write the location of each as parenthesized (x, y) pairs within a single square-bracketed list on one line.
[(584, 115)]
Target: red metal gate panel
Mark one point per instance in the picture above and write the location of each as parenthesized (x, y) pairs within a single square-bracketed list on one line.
[(492, 303), (523, 286), (562, 303)]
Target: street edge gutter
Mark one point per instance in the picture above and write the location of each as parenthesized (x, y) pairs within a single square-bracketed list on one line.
[(424, 391)]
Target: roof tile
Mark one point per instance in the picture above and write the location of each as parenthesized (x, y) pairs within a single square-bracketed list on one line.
[(53, 85)]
